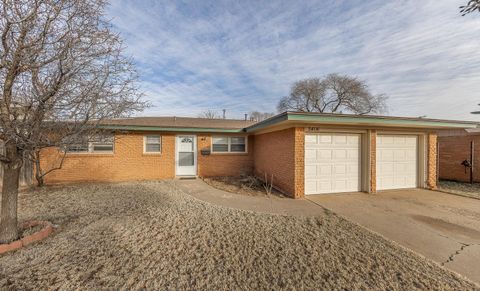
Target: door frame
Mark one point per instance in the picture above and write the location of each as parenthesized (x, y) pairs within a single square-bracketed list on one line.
[(195, 163)]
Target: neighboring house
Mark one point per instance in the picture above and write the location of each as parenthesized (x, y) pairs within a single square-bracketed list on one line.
[(307, 153), (454, 150)]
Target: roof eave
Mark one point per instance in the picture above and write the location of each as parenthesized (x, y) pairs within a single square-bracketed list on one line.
[(170, 129), (359, 121)]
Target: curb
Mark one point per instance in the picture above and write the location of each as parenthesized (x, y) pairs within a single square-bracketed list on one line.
[(39, 235)]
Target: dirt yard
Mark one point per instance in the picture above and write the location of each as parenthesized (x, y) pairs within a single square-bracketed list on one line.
[(249, 185), (465, 189), (149, 235)]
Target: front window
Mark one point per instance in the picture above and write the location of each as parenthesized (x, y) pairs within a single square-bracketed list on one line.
[(224, 144), (95, 144), (153, 144)]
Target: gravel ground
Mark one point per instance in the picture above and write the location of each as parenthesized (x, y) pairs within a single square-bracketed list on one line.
[(150, 235), (465, 189), (250, 185)]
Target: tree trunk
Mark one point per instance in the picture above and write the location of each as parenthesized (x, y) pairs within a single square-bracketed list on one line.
[(38, 171), (8, 212)]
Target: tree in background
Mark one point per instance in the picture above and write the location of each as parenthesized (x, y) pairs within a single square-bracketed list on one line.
[(210, 114), (61, 73), (334, 94), (472, 6), (259, 116)]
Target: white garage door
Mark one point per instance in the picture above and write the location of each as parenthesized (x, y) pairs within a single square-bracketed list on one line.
[(332, 163), (396, 161)]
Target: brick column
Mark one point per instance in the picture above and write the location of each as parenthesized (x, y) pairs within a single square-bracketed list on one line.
[(299, 169), (373, 161), (432, 161)]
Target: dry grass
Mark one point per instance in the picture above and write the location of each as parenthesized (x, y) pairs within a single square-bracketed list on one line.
[(149, 235), (248, 185), (465, 189)]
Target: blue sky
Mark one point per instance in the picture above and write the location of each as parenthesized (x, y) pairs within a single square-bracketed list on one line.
[(244, 55)]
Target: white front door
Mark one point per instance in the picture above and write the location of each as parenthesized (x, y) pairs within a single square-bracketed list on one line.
[(397, 161), (186, 155), (332, 163)]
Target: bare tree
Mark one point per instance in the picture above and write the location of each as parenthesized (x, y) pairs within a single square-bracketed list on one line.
[(259, 116), (471, 6), (210, 114), (334, 93), (61, 73)]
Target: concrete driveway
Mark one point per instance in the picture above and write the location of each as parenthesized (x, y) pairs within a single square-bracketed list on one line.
[(442, 227)]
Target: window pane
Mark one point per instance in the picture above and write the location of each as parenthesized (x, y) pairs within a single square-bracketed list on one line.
[(102, 138), (220, 147), (237, 148), (153, 139), (238, 140), (185, 159), (220, 140), (77, 148), (152, 148), (103, 147), (186, 144)]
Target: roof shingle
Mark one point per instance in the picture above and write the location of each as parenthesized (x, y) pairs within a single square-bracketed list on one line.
[(181, 122)]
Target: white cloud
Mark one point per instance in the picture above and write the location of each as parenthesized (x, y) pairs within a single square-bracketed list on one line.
[(244, 55)]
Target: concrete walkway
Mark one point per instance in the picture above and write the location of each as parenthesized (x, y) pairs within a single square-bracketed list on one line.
[(442, 227), (272, 205)]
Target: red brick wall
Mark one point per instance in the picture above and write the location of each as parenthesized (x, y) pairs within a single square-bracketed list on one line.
[(299, 162), (452, 151), (225, 164), (432, 161), (373, 161), (275, 154), (128, 162)]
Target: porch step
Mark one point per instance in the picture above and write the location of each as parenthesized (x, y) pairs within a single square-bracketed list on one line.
[(186, 177)]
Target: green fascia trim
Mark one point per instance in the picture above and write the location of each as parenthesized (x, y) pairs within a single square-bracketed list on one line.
[(174, 129), (268, 122), (359, 120), (380, 121)]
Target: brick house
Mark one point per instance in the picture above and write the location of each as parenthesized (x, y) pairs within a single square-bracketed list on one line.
[(307, 153), (454, 149)]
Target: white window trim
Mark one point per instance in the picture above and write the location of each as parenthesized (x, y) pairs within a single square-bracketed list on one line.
[(145, 144), (228, 144)]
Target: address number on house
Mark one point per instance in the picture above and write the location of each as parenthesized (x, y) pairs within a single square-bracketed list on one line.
[(313, 129)]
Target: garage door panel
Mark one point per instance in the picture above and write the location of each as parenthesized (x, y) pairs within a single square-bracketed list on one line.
[(397, 161), (337, 163), (324, 138), (324, 154), (310, 171), (385, 154), (411, 155), (310, 154), (352, 154), (325, 170), (399, 155), (310, 186), (340, 154), (339, 139), (353, 170), (310, 139), (341, 169)]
